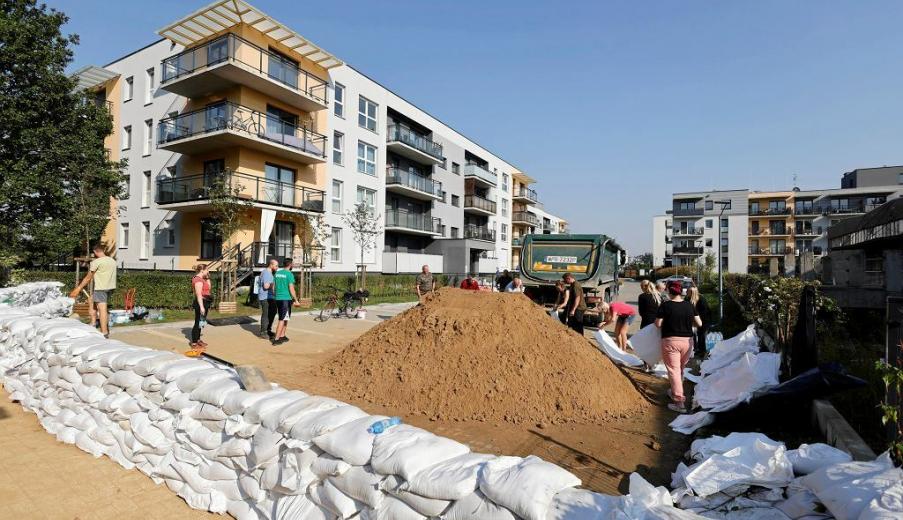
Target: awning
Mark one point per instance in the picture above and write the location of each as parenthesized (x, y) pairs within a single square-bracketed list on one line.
[(222, 14), (93, 76)]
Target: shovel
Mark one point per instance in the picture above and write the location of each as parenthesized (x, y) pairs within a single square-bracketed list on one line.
[(251, 377)]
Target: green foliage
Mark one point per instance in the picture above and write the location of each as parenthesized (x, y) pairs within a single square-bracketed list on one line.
[(227, 207), (708, 269), (678, 270), (56, 178), (893, 382)]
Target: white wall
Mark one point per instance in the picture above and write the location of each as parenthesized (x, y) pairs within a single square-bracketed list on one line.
[(738, 243), (410, 262), (659, 225)]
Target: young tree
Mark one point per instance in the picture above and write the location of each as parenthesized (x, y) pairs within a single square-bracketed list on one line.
[(365, 227), (229, 211), (56, 178)]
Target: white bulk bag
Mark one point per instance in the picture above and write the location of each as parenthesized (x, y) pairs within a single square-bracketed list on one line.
[(811, 457), (404, 450), (647, 344), (525, 486), (452, 479)]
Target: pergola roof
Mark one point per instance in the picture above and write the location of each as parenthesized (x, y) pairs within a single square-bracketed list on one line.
[(92, 76), (222, 14)]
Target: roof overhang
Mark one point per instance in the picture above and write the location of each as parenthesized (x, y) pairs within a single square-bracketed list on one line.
[(523, 177), (223, 14), (93, 76)]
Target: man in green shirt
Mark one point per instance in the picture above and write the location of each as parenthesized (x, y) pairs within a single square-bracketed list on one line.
[(103, 272), (284, 284)]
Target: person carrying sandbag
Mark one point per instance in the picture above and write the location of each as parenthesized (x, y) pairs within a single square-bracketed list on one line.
[(676, 319)]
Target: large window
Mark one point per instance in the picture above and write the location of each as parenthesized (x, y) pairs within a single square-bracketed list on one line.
[(368, 197), (505, 182), (211, 241), (337, 197), (366, 113), (127, 137), (686, 205), (151, 85), (145, 240), (123, 235), (338, 101), (366, 158), (455, 200), (280, 188), (128, 89), (170, 234), (504, 207), (504, 232), (148, 136), (338, 147), (335, 245), (146, 189)]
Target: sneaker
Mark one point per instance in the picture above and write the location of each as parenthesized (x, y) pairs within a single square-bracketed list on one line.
[(264, 335), (283, 339), (202, 343), (677, 407)]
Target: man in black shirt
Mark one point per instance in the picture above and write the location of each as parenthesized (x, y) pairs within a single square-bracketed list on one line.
[(503, 280), (576, 307), (676, 318)]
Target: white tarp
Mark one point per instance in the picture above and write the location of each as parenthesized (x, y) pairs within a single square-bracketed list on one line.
[(608, 347), (736, 382), (849, 489), (729, 350), (647, 343), (738, 459)]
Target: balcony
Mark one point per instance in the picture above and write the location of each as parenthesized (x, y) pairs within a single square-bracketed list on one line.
[(231, 60), (770, 251), (805, 232), (227, 124), (687, 250), (478, 205), (766, 232), (849, 210), (412, 223), (517, 242), (412, 185), (808, 211), (525, 195), (523, 217), (407, 143), (472, 232), (691, 212), (688, 232), (194, 192), (480, 175), (764, 212)]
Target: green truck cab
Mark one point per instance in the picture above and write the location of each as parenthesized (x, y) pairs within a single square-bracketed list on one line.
[(594, 260)]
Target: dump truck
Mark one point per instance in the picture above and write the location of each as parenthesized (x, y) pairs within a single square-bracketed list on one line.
[(594, 260)]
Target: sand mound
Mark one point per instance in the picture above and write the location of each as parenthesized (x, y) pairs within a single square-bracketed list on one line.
[(463, 355)]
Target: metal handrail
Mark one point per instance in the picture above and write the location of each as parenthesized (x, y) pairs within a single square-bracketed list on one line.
[(237, 118), (416, 221), (770, 211), (420, 142), (475, 232), (477, 202), (523, 216), (413, 180), (785, 250), (249, 187), (687, 250), (527, 193), (689, 231), (287, 73), (475, 170)]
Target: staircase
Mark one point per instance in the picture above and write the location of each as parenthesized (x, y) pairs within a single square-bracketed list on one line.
[(232, 268)]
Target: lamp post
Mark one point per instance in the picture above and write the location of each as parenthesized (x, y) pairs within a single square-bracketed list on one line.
[(724, 205)]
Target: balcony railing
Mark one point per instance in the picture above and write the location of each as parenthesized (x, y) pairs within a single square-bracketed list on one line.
[(477, 171), (808, 210), (516, 242), (524, 217), (689, 231), (416, 221), (771, 251), (687, 250), (248, 187), (677, 212), (237, 50), (414, 181), (769, 211), (526, 193), (769, 232), (845, 210), (403, 134), (479, 233), (242, 120), (806, 231), (477, 202)]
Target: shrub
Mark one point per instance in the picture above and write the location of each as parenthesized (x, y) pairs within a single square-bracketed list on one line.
[(678, 270)]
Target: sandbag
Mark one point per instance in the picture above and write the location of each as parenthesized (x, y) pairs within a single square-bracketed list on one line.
[(391, 509), (327, 496), (846, 489), (425, 506), (360, 483), (525, 486), (215, 392), (581, 504), (315, 424), (404, 450), (452, 479), (351, 441), (476, 506), (294, 411), (811, 457), (290, 507), (611, 349)]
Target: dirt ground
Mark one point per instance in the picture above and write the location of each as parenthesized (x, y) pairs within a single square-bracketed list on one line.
[(602, 456)]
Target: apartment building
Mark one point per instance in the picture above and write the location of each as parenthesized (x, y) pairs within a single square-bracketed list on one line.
[(787, 231), (232, 97)]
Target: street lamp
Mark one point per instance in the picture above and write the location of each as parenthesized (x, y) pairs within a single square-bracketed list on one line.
[(724, 205)]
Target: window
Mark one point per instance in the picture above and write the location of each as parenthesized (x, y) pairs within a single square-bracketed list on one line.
[(126, 179), (504, 207), (211, 242), (686, 205), (708, 223), (366, 158), (338, 145), (442, 230), (336, 196), (874, 262), (123, 235), (127, 137), (145, 240), (456, 168), (148, 136), (368, 197), (454, 232), (505, 182), (456, 201), (724, 223), (708, 242), (504, 232), (338, 102), (127, 89), (170, 234), (366, 113), (709, 205), (146, 189), (151, 86), (335, 245)]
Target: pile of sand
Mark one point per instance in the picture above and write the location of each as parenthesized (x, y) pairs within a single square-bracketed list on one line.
[(464, 355)]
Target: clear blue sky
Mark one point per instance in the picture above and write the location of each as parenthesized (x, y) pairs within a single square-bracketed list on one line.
[(611, 106)]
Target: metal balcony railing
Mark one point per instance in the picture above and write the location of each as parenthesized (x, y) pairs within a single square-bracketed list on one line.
[(769, 232), (243, 120), (522, 217), (235, 49), (677, 212), (526, 193), (689, 231), (771, 251), (396, 176), (769, 211), (249, 187), (477, 171), (687, 250), (807, 210), (477, 202), (479, 233), (415, 221), (403, 134)]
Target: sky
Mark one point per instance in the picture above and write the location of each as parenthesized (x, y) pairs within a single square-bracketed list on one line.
[(610, 106)]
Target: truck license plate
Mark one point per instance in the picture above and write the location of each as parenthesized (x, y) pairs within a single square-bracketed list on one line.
[(561, 259)]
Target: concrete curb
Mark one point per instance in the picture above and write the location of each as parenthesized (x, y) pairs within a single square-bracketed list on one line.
[(838, 432)]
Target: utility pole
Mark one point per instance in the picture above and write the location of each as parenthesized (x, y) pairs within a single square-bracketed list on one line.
[(724, 205)]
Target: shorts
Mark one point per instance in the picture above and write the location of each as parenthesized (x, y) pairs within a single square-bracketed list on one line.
[(102, 296), (626, 319), (284, 308)]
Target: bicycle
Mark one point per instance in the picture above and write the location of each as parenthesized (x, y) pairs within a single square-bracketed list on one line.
[(349, 304)]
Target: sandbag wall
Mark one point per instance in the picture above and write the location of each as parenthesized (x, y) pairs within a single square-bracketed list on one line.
[(281, 454)]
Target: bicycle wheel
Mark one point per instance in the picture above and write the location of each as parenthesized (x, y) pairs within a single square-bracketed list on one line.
[(327, 311), (352, 308)]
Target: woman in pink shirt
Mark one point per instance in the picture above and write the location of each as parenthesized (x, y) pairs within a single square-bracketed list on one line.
[(624, 314)]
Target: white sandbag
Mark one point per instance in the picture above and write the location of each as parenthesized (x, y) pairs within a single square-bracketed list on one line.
[(736, 382), (351, 442), (234, 447), (250, 485), (360, 483), (179, 402), (846, 489), (299, 507), (689, 423), (327, 496), (315, 424), (264, 447), (810, 457), (581, 504), (125, 379), (525, 486), (128, 360), (648, 502), (238, 402), (291, 475), (196, 378), (147, 433), (452, 479), (177, 369), (328, 466), (425, 506), (611, 349), (887, 506), (205, 412), (704, 448), (216, 471), (647, 344), (271, 404), (730, 350), (215, 392), (150, 365), (754, 461), (404, 450), (476, 506), (296, 410), (391, 509)]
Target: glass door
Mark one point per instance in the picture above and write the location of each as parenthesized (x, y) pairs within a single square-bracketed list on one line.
[(218, 51), (282, 241), (214, 117), (213, 171), (282, 68), (280, 185)]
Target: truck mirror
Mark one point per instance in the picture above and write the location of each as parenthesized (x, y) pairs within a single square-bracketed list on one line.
[(622, 258)]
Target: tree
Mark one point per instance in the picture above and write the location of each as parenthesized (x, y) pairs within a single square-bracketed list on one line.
[(708, 267), (228, 212), (312, 231), (365, 227), (56, 177)]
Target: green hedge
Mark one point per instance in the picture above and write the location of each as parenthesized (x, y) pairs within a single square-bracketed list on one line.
[(379, 285)]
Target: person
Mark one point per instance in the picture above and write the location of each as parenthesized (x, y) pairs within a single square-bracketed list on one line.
[(470, 284), (424, 284), (577, 305), (200, 288), (561, 301), (285, 297), (623, 315), (648, 303), (501, 283), (676, 318), (266, 297), (662, 291), (515, 286), (702, 309), (102, 271)]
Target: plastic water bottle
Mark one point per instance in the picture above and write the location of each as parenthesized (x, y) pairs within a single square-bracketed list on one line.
[(203, 322), (710, 341), (381, 426)]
